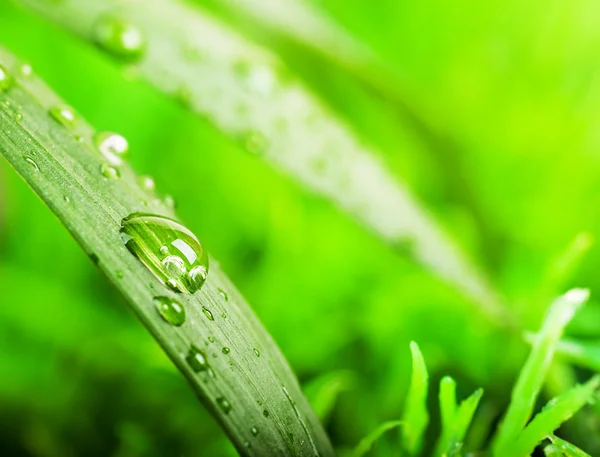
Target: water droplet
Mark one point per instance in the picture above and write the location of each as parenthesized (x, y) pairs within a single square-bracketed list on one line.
[(224, 316), (67, 199), (257, 352), (170, 310), (94, 258), (254, 431), (223, 294), (31, 162), (64, 115), (6, 80), (112, 146), (120, 274), (254, 142), (147, 183), (119, 37), (164, 250), (196, 359), (110, 172), (257, 78), (211, 339), (224, 404), (169, 201), (26, 70), (208, 314), (225, 350), (266, 413), (18, 117), (145, 235), (247, 444)]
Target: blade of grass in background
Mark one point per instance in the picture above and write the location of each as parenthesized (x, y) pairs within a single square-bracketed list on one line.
[(248, 96), (584, 353), (228, 358), (415, 416), (367, 442), (557, 411), (531, 378), (323, 392)]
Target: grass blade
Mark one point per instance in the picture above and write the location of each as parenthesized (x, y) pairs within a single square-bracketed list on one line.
[(567, 449), (557, 411), (323, 392), (58, 160), (415, 416), (552, 451), (582, 353), (246, 94), (531, 378), (367, 442)]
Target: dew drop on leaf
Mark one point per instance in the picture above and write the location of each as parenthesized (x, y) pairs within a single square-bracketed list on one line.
[(254, 142), (224, 404), (112, 146), (169, 201), (225, 350), (147, 183), (110, 172), (266, 413), (119, 37), (183, 266), (254, 431), (64, 115), (211, 339), (208, 313), (257, 352), (6, 80), (170, 310), (196, 359), (222, 294), (32, 162), (26, 70)]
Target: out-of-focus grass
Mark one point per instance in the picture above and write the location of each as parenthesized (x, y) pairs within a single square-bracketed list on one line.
[(516, 83)]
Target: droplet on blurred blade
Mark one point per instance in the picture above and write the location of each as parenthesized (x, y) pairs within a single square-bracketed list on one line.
[(64, 115), (109, 171), (112, 146), (183, 266), (224, 404), (6, 80), (196, 359), (170, 310), (119, 37)]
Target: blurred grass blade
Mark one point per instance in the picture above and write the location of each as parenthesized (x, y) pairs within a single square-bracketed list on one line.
[(53, 150), (583, 353), (557, 411), (367, 442), (553, 451), (455, 421), (533, 373), (248, 96), (415, 415), (323, 392), (567, 449)]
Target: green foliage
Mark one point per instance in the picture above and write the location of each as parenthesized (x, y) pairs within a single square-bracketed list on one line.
[(415, 415), (368, 441)]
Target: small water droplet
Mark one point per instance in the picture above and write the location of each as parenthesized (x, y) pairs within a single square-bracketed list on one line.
[(145, 235), (224, 316), (18, 117), (266, 413), (208, 313), (119, 37), (254, 431), (224, 404), (120, 274), (31, 162), (257, 78), (110, 172), (67, 199), (170, 310), (169, 201), (223, 294), (225, 350), (6, 80), (26, 70), (196, 359), (147, 183), (247, 444), (112, 146), (211, 339), (254, 142), (257, 352), (64, 115), (164, 250)]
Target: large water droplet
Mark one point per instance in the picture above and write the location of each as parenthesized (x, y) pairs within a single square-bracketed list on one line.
[(32, 162), (64, 114), (170, 310), (224, 404), (6, 80), (225, 350), (196, 359), (119, 37), (183, 266), (112, 146), (208, 313)]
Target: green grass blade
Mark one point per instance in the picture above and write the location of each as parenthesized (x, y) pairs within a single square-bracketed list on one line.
[(531, 378), (367, 442), (582, 353), (448, 409), (464, 417), (246, 94), (567, 449), (60, 163), (557, 411), (415, 415), (552, 451), (323, 392)]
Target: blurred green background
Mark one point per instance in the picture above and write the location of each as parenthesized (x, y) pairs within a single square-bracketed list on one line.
[(515, 86)]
